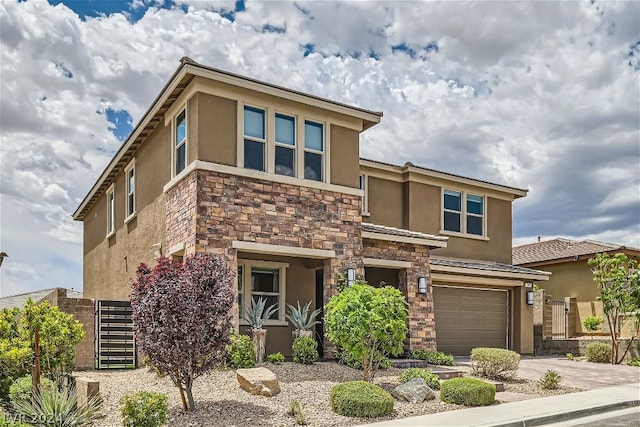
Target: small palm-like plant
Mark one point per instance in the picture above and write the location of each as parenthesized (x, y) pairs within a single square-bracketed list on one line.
[(256, 314), (58, 409), (300, 317)]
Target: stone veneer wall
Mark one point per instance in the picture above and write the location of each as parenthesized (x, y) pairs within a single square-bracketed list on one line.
[(422, 331), (208, 210)]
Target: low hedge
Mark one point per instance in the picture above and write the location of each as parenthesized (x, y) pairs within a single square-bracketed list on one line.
[(21, 388), (360, 399), (305, 350), (467, 392), (433, 357), (494, 362), (598, 352)]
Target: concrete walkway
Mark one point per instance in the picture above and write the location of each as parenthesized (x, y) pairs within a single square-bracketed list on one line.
[(531, 412), (584, 375)]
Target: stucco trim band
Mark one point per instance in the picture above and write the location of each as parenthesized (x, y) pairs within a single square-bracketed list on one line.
[(248, 173), (386, 263), (263, 248), (441, 278), (404, 239)]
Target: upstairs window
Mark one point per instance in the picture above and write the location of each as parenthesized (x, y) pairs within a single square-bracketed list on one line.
[(130, 188), (180, 139), (285, 145), (475, 214), (254, 138), (313, 150), (452, 211), (463, 213), (111, 211)]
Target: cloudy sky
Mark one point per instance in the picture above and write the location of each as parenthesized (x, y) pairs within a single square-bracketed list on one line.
[(541, 95)]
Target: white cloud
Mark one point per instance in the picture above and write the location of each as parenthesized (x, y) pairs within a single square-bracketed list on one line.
[(530, 94)]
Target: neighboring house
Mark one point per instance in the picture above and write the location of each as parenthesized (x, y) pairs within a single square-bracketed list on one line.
[(571, 277), (271, 179), (69, 301)]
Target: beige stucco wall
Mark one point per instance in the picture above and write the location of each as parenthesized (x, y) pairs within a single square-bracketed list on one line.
[(216, 135), (570, 279), (110, 264), (417, 206), (345, 153)]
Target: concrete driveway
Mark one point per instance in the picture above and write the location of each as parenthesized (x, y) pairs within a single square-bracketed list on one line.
[(583, 375)]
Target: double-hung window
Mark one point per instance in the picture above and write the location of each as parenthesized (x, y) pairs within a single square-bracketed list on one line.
[(285, 145), (130, 190), (463, 213), (111, 211), (313, 150), (262, 279), (180, 140), (254, 139), (364, 186)]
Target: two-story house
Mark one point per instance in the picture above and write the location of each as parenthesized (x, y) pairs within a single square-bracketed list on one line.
[(271, 179)]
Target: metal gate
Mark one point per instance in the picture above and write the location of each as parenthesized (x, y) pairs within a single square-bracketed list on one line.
[(558, 320), (115, 344)]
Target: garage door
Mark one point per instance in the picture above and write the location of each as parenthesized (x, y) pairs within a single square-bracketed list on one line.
[(467, 318)]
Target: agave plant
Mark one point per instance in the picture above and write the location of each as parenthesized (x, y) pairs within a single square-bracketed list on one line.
[(300, 317), (256, 314), (59, 409)]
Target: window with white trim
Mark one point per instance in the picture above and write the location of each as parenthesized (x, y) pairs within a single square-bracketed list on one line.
[(255, 140), (180, 142), (130, 190), (282, 143), (262, 279), (463, 213), (111, 210), (364, 186), (285, 151), (313, 150)]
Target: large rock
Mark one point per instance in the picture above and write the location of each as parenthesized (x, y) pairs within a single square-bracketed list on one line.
[(415, 390), (258, 381)]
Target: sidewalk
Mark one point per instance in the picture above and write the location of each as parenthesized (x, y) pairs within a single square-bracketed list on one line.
[(530, 412)]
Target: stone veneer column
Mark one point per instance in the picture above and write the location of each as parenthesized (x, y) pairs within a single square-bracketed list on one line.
[(422, 332)]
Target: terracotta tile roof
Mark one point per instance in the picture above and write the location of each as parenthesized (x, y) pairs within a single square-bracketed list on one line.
[(383, 229), (18, 300), (489, 266), (561, 248)]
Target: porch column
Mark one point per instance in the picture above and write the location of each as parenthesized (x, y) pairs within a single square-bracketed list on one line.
[(422, 332)]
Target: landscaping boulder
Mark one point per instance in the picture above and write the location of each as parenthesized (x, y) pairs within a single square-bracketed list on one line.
[(258, 381), (415, 390)]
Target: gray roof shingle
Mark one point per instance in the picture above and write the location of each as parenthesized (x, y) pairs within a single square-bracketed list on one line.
[(561, 248), (489, 266)]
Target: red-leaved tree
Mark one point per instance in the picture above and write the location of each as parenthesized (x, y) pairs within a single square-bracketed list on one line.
[(181, 316)]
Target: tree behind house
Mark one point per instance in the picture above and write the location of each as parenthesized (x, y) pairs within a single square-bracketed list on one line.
[(181, 316), (619, 281)]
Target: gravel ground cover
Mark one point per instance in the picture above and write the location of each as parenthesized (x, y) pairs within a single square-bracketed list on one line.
[(221, 402)]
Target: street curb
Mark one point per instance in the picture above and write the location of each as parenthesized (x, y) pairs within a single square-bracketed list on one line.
[(571, 415)]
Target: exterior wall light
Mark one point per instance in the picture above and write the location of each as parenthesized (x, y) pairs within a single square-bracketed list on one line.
[(351, 276), (422, 285), (530, 297)]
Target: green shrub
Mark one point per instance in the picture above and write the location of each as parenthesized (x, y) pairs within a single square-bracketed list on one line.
[(550, 380), (433, 357), (299, 412), (305, 350), (634, 361), (60, 409), (21, 388), (599, 352), (467, 392), (592, 323), (275, 358), (570, 356), (241, 352), (143, 409), (360, 399), (385, 363), (494, 362), (432, 380)]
